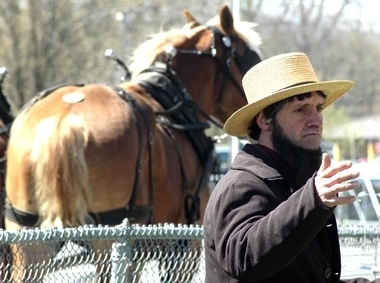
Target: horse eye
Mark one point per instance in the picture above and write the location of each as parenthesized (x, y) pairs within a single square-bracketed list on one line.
[(228, 63), (226, 41)]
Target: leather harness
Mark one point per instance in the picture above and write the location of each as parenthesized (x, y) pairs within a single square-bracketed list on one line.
[(168, 91), (163, 84)]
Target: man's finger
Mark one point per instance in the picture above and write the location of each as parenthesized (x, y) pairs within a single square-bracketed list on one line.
[(326, 162)]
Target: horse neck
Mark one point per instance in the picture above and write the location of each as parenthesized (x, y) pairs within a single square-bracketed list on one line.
[(198, 82)]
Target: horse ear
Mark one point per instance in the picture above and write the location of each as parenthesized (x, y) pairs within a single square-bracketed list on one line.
[(191, 19), (226, 20)]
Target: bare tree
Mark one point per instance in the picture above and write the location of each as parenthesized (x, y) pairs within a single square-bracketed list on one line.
[(338, 47), (47, 43), (12, 27), (54, 42)]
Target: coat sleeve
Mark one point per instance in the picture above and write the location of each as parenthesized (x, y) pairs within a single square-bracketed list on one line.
[(259, 233)]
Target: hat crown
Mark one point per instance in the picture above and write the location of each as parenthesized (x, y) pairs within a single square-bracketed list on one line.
[(277, 73)]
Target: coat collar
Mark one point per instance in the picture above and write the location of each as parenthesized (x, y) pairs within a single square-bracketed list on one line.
[(262, 165)]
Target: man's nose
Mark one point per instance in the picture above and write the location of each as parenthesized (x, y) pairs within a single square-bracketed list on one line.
[(315, 119)]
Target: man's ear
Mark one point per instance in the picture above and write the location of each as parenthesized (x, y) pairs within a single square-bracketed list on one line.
[(263, 123)]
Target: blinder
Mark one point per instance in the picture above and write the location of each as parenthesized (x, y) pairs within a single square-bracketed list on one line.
[(247, 60), (244, 62)]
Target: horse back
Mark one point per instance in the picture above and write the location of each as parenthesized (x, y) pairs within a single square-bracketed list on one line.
[(105, 130)]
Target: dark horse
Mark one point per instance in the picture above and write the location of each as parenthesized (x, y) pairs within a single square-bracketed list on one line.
[(6, 119), (99, 154)]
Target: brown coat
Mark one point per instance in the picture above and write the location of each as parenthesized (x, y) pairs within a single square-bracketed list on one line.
[(256, 230)]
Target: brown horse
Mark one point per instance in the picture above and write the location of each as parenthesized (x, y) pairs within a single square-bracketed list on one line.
[(99, 154)]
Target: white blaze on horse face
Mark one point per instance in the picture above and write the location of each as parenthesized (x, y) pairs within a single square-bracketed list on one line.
[(73, 97)]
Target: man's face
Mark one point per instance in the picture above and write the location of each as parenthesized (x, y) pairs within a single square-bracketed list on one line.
[(302, 121), (296, 136)]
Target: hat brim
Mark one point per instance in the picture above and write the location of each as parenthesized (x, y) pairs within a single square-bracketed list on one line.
[(238, 123)]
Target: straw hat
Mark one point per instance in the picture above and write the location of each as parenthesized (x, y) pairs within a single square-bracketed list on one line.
[(275, 79)]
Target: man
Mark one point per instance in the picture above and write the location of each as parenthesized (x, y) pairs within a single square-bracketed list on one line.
[(271, 217)]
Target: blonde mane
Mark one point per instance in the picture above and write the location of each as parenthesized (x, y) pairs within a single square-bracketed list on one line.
[(153, 49)]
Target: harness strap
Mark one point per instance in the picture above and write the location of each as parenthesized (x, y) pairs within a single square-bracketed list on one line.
[(176, 146), (131, 102), (110, 217), (145, 212), (166, 89), (20, 216), (167, 122), (177, 107), (192, 201), (4, 130), (164, 86), (43, 94), (141, 213)]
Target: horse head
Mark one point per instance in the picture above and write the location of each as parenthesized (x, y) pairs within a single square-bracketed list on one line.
[(209, 60), (222, 52)]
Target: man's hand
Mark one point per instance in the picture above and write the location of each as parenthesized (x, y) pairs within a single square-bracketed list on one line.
[(332, 179)]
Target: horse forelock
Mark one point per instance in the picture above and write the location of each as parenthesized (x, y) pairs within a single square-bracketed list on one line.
[(245, 31)]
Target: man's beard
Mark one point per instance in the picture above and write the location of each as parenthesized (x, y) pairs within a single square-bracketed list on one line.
[(305, 162)]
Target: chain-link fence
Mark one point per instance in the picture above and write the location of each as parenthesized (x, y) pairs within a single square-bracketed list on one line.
[(138, 253), (359, 245), (126, 253)]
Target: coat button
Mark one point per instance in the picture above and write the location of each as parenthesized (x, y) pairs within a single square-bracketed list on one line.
[(328, 273)]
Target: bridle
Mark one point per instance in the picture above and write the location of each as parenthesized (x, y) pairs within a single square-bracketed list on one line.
[(244, 62)]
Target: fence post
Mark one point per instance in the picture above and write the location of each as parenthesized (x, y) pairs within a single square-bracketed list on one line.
[(121, 257)]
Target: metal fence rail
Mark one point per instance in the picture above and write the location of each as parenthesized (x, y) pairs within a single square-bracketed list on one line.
[(126, 253), (137, 253)]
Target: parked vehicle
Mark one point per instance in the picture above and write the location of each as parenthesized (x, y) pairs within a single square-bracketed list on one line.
[(366, 208), (225, 154)]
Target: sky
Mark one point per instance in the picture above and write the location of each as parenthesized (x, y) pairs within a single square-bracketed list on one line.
[(369, 14)]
